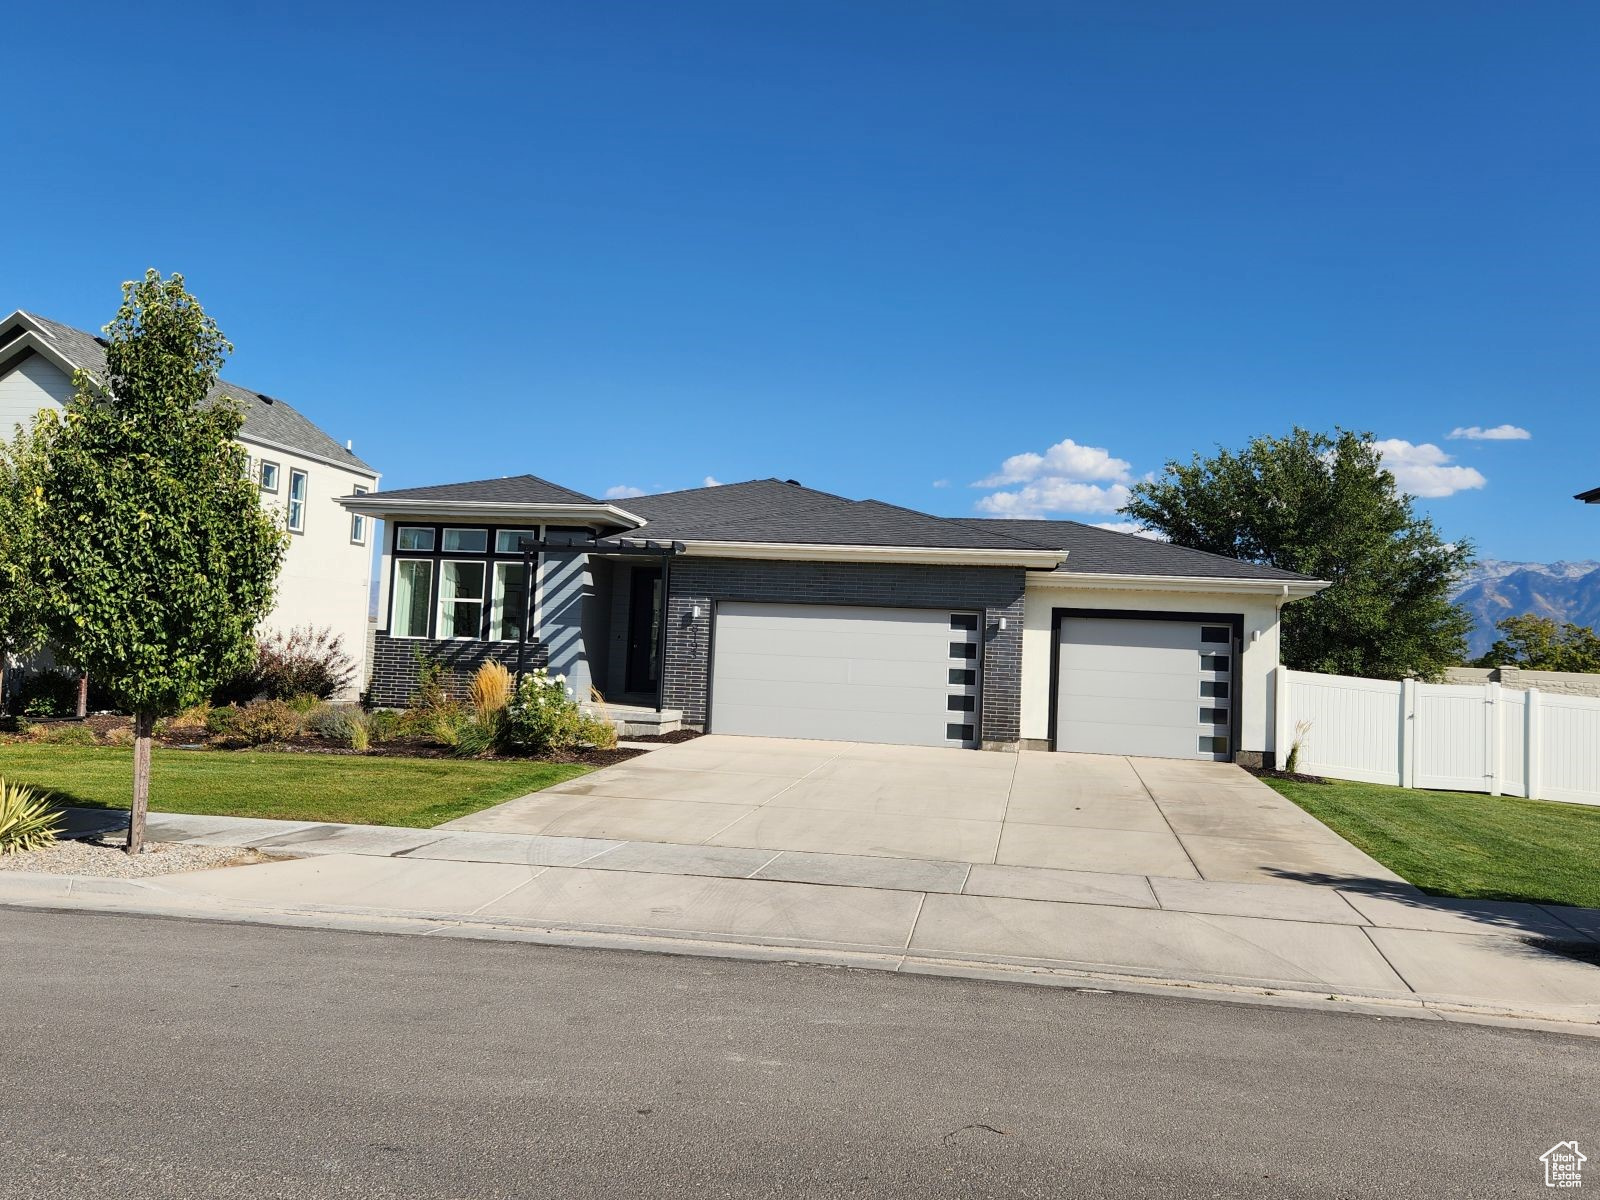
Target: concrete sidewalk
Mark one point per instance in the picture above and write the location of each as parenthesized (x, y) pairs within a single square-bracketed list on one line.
[(1381, 943)]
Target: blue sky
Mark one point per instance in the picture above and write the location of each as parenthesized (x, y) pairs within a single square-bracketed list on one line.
[(889, 250)]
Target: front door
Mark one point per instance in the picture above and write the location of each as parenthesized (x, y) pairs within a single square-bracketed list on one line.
[(644, 630)]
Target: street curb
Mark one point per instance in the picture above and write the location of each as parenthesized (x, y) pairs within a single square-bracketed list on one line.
[(69, 893)]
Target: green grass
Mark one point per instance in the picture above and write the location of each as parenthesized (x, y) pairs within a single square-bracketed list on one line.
[(1473, 846), (414, 792)]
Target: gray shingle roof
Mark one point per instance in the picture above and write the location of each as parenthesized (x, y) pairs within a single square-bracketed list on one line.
[(1095, 551), (265, 418), (772, 510), (514, 489)]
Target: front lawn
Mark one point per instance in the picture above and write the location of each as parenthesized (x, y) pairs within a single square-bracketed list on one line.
[(415, 792), (1458, 844)]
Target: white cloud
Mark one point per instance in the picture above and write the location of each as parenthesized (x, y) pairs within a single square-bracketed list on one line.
[(622, 491), (1047, 496), (1066, 478), (1065, 460), (1132, 527), (1500, 433), (1425, 470), (710, 481), (941, 483)]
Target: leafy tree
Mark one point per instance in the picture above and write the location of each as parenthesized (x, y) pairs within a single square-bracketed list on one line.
[(1543, 644), (22, 590), (1322, 504), (160, 556)]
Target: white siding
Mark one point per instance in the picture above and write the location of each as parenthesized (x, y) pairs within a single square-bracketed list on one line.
[(35, 384), (1259, 658), (326, 578)]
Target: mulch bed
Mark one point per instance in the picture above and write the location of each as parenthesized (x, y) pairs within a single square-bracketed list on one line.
[(1291, 776), (668, 739)]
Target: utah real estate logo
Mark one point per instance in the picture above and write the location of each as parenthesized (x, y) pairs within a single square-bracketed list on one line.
[(1563, 1165)]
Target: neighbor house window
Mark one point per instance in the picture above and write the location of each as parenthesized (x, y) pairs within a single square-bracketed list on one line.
[(413, 537), (466, 541), (413, 596), (461, 599), (509, 541), (268, 475), (510, 602), (297, 501), (358, 522)]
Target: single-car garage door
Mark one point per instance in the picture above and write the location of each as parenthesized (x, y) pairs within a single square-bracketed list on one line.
[(903, 675), (1161, 688)]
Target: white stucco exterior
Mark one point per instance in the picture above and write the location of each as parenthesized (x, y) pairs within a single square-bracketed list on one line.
[(1258, 608), (326, 575)]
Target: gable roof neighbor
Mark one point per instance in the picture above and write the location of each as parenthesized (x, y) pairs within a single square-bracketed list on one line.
[(266, 419)]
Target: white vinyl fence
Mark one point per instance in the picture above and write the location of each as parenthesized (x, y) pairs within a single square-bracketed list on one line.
[(1452, 737)]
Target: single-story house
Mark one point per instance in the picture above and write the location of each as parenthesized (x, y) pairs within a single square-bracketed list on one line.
[(775, 609)]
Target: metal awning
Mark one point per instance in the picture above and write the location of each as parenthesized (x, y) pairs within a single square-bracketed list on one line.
[(601, 545)]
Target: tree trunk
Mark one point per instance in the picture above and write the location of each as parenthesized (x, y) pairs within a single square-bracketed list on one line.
[(143, 726), (83, 696)]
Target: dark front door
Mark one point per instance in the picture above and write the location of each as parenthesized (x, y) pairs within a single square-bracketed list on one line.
[(644, 630)]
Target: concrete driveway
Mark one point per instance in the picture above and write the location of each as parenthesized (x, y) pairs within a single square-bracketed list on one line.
[(1079, 812)]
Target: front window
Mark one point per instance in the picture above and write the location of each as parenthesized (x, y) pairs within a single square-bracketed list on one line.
[(509, 541), (413, 537), (510, 602), (461, 599), (268, 476), (297, 501), (358, 522), (466, 541), (413, 594)]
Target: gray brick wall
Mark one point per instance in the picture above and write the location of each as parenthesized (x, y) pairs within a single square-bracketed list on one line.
[(395, 669), (703, 581)]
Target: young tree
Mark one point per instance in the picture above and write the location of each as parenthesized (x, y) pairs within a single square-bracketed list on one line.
[(22, 591), (1543, 644), (159, 555), (1323, 505)]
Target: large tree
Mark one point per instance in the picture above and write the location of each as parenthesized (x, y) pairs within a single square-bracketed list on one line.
[(1543, 644), (22, 585), (1322, 504), (159, 555)]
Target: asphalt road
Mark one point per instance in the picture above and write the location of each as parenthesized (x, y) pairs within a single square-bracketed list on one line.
[(159, 1058)]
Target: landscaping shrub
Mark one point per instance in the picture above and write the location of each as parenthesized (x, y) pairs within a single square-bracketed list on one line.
[(62, 735), (27, 820), (385, 724), (120, 736), (597, 732), (224, 721), (541, 716), (47, 694), (490, 691), (303, 662), (342, 725)]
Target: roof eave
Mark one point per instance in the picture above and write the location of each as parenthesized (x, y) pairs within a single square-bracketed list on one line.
[(354, 465), (972, 556), (1286, 589), (377, 505)]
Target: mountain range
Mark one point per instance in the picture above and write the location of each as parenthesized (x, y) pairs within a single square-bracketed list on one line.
[(1495, 589)]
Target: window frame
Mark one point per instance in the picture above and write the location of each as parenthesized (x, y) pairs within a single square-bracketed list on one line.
[(358, 521), (277, 476), (433, 539), (439, 599), (497, 603), (428, 602), (305, 496), (444, 536)]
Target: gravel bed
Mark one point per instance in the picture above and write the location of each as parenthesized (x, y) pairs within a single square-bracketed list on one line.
[(112, 862)]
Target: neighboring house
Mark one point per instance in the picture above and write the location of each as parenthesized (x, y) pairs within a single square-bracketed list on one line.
[(302, 472), (770, 608)]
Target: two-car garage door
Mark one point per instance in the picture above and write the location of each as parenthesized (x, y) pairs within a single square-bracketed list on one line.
[(909, 676)]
